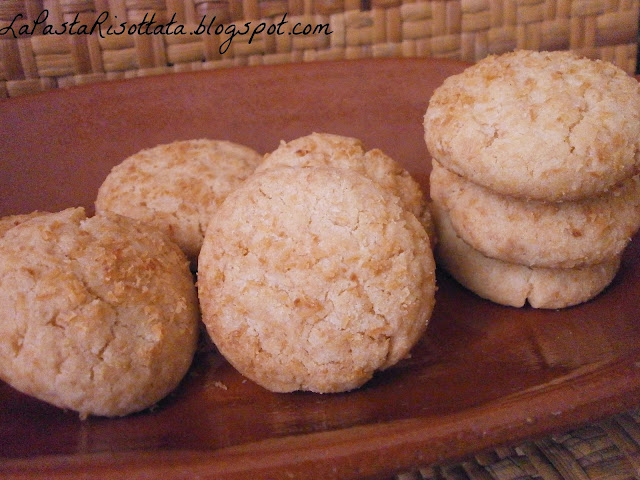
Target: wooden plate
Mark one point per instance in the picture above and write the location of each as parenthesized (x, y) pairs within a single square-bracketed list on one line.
[(483, 374)]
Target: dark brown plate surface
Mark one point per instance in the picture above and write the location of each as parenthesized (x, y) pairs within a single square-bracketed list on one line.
[(483, 374)]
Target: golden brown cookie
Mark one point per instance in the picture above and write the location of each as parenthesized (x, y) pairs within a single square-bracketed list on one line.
[(512, 284), (176, 187), (539, 125), (336, 151), (537, 233), (314, 278), (99, 315)]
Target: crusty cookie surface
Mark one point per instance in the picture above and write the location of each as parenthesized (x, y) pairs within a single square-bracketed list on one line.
[(177, 186), (540, 125), (515, 285), (10, 221), (536, 233), (337, 151), (314, 278), (99, 315)]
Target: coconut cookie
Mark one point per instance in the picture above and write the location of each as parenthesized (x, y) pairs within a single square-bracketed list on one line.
[(314, 278), (100, 314), (512, 284), (176, 187), (328, 150), (537, 233), (540, 125)]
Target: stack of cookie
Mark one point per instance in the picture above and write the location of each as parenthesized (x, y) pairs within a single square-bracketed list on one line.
[(534, 182)]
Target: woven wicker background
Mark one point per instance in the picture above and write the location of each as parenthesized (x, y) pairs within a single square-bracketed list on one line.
[(463, 29), (606, 450)]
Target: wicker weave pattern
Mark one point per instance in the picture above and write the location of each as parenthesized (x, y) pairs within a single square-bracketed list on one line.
[(609, 450), (463, 29)]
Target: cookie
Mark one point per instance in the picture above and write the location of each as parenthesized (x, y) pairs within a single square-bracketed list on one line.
[(314, 278), (336, 151), (539, 125), (536, 233), (176, 187), (512, 284), (99, 315)]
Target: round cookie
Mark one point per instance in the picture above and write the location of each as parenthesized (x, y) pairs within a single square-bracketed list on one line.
[(512, 284), (314, 278), (537, 233), (100, 314), (336, 151), (540, 125), (176, 187)]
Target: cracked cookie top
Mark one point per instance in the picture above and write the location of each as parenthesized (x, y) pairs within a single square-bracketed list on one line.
[(314, 278), (336, 151), (99, 315), (177, 186), (539, 125)]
